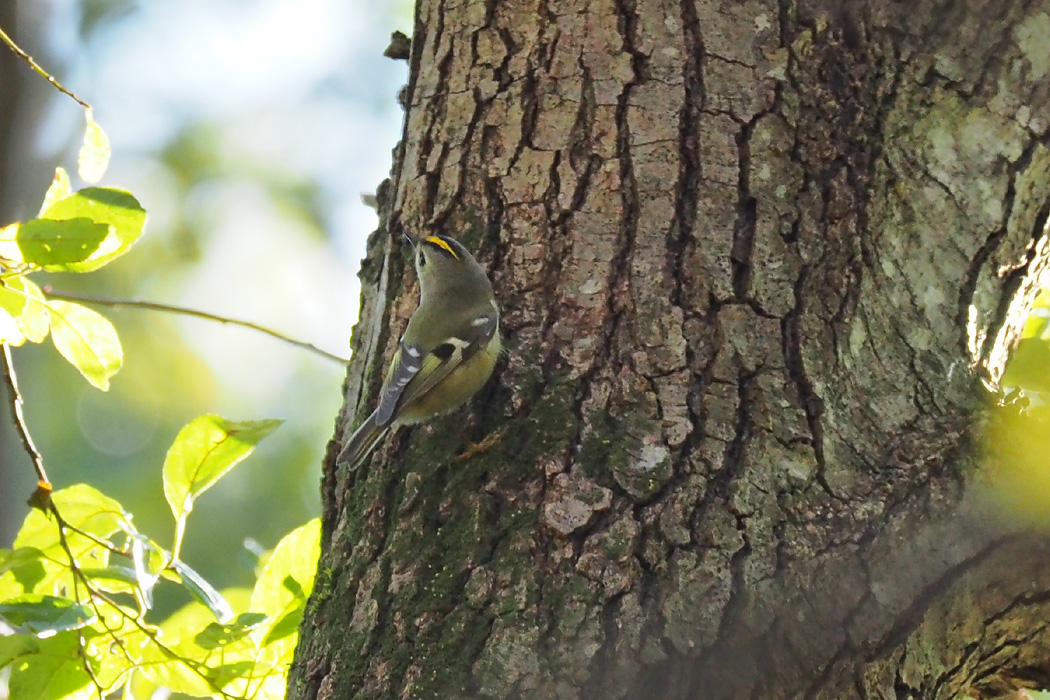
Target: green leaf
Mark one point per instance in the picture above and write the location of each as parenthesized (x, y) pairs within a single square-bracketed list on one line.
[(12, 559), (233, 671), (1038, 316), (59, 245), (81, 506), (94, 153), (53, 671), (113, 662), (294, 587), (23, 315), (16, 646), (35, 320), (203, 591), (25, 567), (87, 340), (178, 632), (113, 578), (120, 211), (12, 306), (285, 583), (1029, 365), (203, 451), (10, 332), (217, 635), (288, 576), (175, 675), (59, 189), (87, 511), (140, 686), (286, 625), (10, 255), (143, 554), (45, 615), (1035, 325)]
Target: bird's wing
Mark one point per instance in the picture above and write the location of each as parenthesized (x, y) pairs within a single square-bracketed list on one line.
[(413, 374), (408, 360)]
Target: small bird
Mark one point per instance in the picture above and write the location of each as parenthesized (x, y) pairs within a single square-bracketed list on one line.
[(448, 350)]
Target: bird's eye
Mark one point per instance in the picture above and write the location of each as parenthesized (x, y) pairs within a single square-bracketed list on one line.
[(421, 260)]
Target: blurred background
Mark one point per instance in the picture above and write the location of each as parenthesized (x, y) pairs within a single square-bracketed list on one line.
[(248, 129)]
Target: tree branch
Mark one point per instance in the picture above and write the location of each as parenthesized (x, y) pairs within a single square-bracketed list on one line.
[(36, 66), (15, 398), (154, 306)]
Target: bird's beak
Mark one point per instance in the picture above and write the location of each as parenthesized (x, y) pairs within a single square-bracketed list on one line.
[(410, 238)]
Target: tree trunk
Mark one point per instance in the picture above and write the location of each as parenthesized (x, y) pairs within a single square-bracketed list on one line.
[(754, 260)]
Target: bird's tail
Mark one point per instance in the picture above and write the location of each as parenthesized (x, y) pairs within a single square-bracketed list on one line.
[(362, 442)]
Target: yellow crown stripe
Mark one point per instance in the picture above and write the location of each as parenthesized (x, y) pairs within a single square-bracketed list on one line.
[(440, 243)]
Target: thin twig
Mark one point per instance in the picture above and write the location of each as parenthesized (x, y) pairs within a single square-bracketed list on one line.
[(85, 663), (40, 71), (95, 594), (14, 396), (181, 310), (108, 546), (79, 578)]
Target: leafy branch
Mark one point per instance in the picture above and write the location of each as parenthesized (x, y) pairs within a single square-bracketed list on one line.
[(97, 599), (78, 582), (59, 585)]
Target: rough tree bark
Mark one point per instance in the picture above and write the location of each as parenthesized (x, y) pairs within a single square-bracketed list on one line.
[(754, 259)]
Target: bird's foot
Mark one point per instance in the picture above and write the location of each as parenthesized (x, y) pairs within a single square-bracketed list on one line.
[(476, 448)]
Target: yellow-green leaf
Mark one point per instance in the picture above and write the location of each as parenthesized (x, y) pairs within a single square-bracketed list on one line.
[(86, 510), (218, 634), (178, 633), (21, 302), (115, 208), (294, 559), (44, 615), (59, 189), (10, 332), (81, 506), (10, 255), (282, 590), (59, 245), (197, 586), (53, 670), (35, 320), (12, 306), (113, 663), (203, 451), (87, 340), (94, 153), (1029, 365)]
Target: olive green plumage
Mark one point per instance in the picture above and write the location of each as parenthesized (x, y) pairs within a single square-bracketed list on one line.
[(448, 351)]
